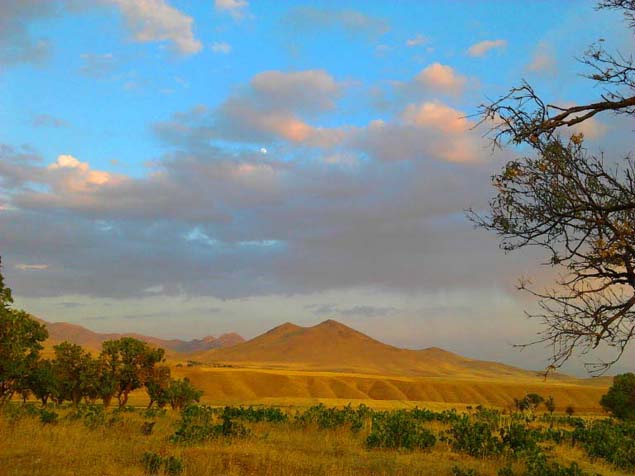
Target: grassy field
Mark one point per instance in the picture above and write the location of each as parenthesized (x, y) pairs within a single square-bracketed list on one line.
[(114, 444)]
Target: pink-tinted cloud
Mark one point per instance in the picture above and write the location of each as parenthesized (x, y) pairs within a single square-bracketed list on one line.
[(236, 8), (157, 20), (441, 78), (483, 47), (71, 175), (433, 114)]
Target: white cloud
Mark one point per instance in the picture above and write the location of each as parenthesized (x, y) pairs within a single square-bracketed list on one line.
[(30, 267), (483, 47), (236, 8), (221, 48), (417, 41), (156, 20)]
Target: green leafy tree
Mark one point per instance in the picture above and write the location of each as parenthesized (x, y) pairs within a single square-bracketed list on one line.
[(74, 369), (20, 344), (550, 404), (129, 363), (620, 399), (534, 400), (182, 393), (105, 382), (158, 385), (578, 207), (42, 381)]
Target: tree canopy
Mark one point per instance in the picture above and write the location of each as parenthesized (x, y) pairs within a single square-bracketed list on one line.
[(620, 399), (562, 198), (20, 344)]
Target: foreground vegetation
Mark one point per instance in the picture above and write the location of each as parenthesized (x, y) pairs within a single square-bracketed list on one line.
[(201, 440)]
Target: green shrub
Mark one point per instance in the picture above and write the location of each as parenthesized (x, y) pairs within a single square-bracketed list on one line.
[(399, 430), (251, 414), (519, 438), (172, 466), (327, 418), (199, 423), (48, 416), (539, 465), (474, 438), (152, 463), (609, 440)]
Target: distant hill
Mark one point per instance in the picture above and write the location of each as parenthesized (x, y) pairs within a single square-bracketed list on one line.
[(332, 346), (63, 331)]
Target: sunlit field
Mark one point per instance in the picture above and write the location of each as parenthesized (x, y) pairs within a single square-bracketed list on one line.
[(299, 441)]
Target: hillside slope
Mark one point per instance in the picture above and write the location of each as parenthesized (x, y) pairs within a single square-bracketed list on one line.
[(332, 346), (63, 331)]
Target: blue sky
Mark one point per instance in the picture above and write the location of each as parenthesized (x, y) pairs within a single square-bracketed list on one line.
[(193, 167)]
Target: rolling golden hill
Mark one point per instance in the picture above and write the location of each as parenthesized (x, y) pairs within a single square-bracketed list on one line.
[(334, 364), (332, 346)]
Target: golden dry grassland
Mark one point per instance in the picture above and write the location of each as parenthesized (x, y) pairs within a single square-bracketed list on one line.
[(70, 447)]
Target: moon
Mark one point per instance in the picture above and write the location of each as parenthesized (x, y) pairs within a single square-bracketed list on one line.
[(263, 151)]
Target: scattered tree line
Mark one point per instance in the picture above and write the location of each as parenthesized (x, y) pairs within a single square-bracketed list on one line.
[(74, 374)]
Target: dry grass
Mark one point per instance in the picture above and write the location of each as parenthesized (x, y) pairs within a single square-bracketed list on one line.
[(70, 448), (295, 387)]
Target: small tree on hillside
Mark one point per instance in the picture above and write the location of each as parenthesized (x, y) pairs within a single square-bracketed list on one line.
[(533, 399), (20, 344), (620, 399), (129, 363), (550, 404)]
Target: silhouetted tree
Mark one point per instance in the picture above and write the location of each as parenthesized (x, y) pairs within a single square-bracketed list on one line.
[(573, 205)]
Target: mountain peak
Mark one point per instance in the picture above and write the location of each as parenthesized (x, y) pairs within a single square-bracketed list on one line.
[(332, 323)]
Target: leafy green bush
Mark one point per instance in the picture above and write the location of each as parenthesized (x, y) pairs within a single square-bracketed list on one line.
[(609, 440), (335, 417), (474, 438), (93, 416), (620, 399), (399, 430), (172, 466), (48, 416), (152, 463), (519, 438), (539, 465), (199, 423), (255, 415)]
